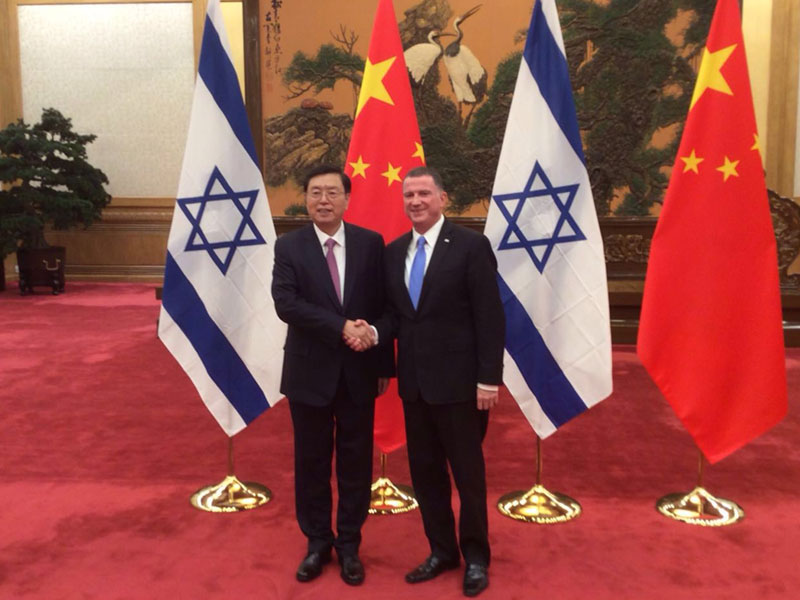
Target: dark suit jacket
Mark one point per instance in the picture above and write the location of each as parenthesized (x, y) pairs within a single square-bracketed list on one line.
[(315, 355), (454, 339)]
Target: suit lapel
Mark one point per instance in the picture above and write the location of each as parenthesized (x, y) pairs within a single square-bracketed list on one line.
[(399, 271), (350, 258), (439, 251)]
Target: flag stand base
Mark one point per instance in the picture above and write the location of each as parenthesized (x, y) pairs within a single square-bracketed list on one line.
[(538, 505), (699, 507), (231, 495), (387, 498)]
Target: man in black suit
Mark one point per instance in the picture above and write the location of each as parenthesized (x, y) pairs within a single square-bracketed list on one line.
[(326, 276), (448, 318)]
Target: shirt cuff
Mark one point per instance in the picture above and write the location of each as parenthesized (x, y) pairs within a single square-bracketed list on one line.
[(375, 333), (488, 388)]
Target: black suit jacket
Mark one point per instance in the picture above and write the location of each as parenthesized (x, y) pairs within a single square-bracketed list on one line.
[(455, 337), (315, 357)]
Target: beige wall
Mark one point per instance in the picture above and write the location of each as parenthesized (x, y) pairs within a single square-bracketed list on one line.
[(130, 242), (756, 29)]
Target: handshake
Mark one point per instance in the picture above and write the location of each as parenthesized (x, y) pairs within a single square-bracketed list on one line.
[(358, 335)]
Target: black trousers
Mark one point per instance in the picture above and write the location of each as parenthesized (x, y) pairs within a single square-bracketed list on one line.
[(347, 425), (439, 435)]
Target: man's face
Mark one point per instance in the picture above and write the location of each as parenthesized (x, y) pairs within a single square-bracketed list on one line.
[(423, 202), (326, 201)]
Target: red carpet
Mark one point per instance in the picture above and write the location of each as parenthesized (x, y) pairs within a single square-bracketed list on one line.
[(104, 440)]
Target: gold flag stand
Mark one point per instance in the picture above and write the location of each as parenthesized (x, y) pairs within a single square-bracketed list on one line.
[(538, 504), (231, 495), (699, 507), (387, 498)]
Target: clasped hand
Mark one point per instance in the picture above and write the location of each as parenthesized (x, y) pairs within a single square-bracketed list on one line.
[(358, 335)]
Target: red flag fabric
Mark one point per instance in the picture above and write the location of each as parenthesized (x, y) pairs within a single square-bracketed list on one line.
[(384, 146), (710, 332)]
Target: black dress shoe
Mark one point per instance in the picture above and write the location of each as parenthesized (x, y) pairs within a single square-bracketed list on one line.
[(476, 579), (432, 567), (311, 567), (352, 569)]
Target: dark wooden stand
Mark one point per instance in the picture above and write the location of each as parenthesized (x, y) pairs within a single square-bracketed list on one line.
[(41, 267)]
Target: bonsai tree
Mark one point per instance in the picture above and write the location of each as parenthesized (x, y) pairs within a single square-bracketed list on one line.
[(46, 179)]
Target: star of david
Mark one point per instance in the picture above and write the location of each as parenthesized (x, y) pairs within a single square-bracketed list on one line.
[(221, 220), (540, 203)]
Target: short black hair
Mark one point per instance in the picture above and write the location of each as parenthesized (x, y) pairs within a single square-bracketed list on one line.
[(325, 170), (423, 171)]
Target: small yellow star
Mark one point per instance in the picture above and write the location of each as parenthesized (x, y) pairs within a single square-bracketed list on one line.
[(360, 167), (710, 76), (691, 162), (756, 144), (420, 153), (392, 174), (372, 83), (728, 168)]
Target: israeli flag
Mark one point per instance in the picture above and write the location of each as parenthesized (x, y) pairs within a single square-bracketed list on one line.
[(543, 227), (217, 316)]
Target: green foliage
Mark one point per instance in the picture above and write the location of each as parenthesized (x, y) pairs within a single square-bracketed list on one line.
[(47, 180), (444, 145), (489, 123), (322, 71), (637, 83), (296, 209), (467, 159)]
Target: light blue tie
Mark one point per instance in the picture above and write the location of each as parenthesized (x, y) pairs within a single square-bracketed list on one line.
[(417, 273)]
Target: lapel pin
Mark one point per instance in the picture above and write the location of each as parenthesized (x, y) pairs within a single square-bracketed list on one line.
[(446, 240)]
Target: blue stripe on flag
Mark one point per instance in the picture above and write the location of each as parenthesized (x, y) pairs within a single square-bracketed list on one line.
[(555, 394), (220, 78), (221, 361), (550, 71)]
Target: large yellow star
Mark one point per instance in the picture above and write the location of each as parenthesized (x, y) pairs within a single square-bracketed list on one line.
[(420, 153), (710, 76), (372, 83), (728, 168), (691, 162), (360, 167), (392, 174)]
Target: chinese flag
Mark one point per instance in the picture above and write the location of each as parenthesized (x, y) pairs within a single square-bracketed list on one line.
[(710, 333), (384, 146)]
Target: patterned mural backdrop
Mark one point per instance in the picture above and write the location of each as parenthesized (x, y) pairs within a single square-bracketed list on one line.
[(632, 64)]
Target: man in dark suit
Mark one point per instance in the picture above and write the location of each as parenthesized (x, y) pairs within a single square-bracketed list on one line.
[(448, 318), (326, 276)]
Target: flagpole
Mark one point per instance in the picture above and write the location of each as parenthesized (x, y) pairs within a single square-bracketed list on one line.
[(231, 495), (538, 504), (699, 507), (387, 498)]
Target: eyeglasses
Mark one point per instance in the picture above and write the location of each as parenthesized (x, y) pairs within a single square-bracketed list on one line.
[(331, 194)]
